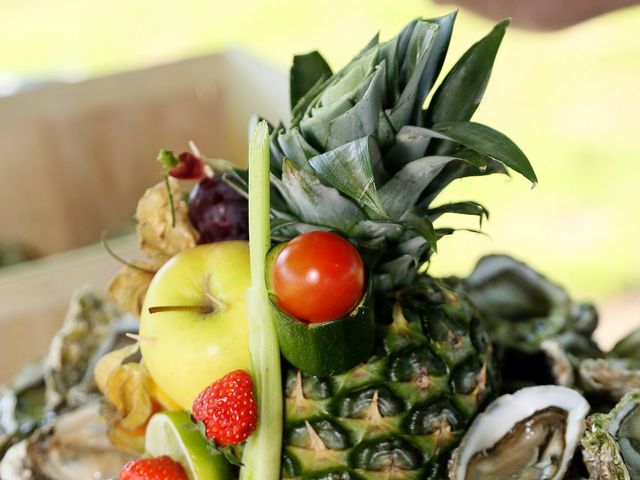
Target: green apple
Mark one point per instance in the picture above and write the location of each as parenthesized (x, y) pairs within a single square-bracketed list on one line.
[(193, 326)]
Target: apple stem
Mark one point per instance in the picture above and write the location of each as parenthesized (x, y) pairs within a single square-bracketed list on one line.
[(183, 308), (217, 304)]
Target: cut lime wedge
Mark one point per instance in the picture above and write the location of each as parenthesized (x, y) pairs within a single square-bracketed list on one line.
[(175, 435)]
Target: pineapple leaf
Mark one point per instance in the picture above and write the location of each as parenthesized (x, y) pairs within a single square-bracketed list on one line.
[(415, 247), (306, 71), (416, 61), (349, 81), (396, 273), (298, 111), (442, 232), (350, 168), (435, 61), (362, 119), (490, 142), (275, 152), (342, 94), (403, 190), (461, 208), (422, 226), (313, 202), (461, 91), (316, 127), (460, 169), (296, 148), (369, 229), (410, 144)]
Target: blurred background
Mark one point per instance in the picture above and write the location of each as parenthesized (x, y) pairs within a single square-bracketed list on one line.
[(90, 90)]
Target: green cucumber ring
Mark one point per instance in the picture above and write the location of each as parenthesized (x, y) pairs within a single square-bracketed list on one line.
[(328, 348)]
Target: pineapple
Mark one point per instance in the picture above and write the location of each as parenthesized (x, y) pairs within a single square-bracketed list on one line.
[(364, 158), (397, 415)]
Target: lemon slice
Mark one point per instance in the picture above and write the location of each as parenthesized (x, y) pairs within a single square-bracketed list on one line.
[(173, 434)]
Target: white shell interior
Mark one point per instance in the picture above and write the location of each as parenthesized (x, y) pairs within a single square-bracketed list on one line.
[(496, 421)]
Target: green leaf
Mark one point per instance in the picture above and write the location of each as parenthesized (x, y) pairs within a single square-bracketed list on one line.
[(410, 144), (307, 70), (419, 49), (362, 119), (490, 142), (350, 78), (461, 208), (298, 111), (369, 229), (422, 226), (460, 169), (339, 96), (443, 232), (461, 91), (403, 190), (393, 274), (296, 148), (393, 53), (313, 202), (349, 168), (315, 127), (435, 60), (416, 247), (167, 159)]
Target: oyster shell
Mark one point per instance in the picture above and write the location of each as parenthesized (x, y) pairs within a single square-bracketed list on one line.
[(87, 325), (60, 382), (529, 435), (22, 405), (74, 446), (611, 443), (614, 376), (531, 319)]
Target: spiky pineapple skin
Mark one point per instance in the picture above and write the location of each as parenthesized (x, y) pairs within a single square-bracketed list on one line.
[(399, 414)]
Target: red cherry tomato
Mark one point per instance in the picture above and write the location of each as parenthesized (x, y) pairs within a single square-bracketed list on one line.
[(318, 277)]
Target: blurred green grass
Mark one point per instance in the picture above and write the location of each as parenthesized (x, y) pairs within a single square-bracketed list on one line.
[(570, 99)]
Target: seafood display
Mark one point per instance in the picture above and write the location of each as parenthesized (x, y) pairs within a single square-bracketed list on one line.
[(284, 323)]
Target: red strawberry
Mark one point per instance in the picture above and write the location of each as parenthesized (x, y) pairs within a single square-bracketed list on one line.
[(160, 468), (227, 409)]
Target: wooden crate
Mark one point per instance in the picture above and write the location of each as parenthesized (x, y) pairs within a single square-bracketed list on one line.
[(77, 157)]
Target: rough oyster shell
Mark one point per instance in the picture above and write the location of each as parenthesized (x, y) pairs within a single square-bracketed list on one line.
[(530, 319), (61, 381), (521, 306), (21, 405), (531, 434), (68, 368), (615, 376), (75, 446), (610, 443)]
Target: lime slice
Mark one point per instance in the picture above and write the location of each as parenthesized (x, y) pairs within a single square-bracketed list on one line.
[(173, 434)]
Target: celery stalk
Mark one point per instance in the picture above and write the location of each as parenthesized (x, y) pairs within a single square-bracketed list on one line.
[(261, 456)]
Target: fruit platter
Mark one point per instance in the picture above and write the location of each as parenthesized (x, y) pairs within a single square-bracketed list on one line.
[(285, 325)]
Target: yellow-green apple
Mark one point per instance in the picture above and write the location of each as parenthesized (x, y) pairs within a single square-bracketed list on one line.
[(193, 326)]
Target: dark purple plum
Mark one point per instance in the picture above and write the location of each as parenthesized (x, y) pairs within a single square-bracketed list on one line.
[(218, 212)]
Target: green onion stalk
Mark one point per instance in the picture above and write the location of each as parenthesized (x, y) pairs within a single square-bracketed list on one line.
[(261, 456)]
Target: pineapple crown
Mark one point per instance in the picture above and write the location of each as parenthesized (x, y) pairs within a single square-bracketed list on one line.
[(362, 155)]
